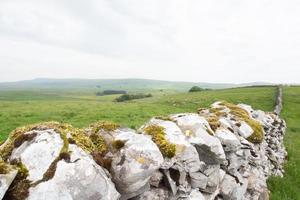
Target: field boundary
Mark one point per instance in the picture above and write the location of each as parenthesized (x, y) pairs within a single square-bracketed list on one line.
[(278, 101)]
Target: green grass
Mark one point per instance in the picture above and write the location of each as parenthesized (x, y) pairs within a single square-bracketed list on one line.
[(289, 186), (22, 108), (80, 108)]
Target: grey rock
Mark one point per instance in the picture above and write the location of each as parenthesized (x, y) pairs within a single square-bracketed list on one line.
[(81, 178), (198, 180), (6, 180), (133, 166), (229, 140)]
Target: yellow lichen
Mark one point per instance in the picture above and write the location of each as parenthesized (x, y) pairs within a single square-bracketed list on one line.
[(158, 136), (4, 167), (213, 123), (242, 115), (99, 143), (141, 160), (104, 125), (188, 133), (165, 118)]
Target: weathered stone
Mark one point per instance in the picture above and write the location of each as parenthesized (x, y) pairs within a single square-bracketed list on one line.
[(245, 130), (189, 122), (229, 141), (195, 195), (198, 180), (6, 180), (155, 194), (209, 149), (39, 153), (133, 165), (81, 178), (156, 179)]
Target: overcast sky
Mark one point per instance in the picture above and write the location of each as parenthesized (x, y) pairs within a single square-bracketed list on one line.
[(189, 40)]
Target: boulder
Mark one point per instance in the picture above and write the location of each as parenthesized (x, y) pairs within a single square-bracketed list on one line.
[(134, 164), (79, 178)]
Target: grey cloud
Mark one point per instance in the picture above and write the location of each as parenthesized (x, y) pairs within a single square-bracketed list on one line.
[(183, 40)]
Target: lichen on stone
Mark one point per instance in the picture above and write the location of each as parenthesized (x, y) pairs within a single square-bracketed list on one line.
[(214, 123), (104, 125), (165, 118), (99, 144), (242, 115), (81, 139), (158, 136), (17, 137), (4, 167)]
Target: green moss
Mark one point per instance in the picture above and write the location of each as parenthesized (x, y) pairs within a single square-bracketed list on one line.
[(4, 167), (213, 123), (49, 174), (99, 143), (118, 144), (243, 115), (22, 138), (101, 160), (81, 139), (158, 136), (104, 125), (18, 190), (165, 118)]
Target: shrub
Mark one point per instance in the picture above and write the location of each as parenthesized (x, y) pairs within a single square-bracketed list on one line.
[(196, 89), (128, 97)]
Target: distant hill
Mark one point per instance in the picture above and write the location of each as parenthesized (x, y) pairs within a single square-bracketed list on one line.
[(113, 84)]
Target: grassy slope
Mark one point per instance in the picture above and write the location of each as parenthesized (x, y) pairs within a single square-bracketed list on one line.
[(289, 186), (19, 109)]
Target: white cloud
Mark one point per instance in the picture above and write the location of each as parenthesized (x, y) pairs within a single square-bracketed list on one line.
[(193, 40)]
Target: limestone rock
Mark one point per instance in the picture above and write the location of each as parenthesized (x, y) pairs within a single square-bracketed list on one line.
[(134, 164), (245, 130), (6, 180), (80, 178), (56, 175), (38, 154), (229, 140)]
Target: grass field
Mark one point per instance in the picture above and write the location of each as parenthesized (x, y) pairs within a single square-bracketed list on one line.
[(289, 187), (19, 108)]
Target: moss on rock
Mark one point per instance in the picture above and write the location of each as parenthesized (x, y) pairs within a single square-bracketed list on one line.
[(213, 123), (158, 136), (165, 118), (242, 115), (104, 125), (99, 143), (4, 167), (118, 144)]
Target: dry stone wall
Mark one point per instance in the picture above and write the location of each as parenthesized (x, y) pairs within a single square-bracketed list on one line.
[(225, 152)]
